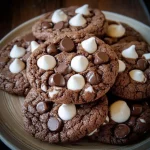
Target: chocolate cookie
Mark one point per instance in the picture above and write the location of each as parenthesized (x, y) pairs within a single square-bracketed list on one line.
[(13, 59), (73, 71), (74, 22), (133, 80), (118, 32), (127, 123), (57, 123)]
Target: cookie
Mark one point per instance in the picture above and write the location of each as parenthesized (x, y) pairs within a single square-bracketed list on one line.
[(118, 32), (127, 123), (13, 59), (74, 22), (73, 71), (56, 123), (133, 80)]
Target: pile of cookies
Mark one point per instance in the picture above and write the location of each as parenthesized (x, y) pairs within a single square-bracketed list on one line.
[(73, 58)]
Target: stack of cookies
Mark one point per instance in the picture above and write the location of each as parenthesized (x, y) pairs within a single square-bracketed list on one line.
[(65, 68)]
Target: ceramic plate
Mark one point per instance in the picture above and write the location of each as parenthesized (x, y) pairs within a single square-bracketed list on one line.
[(11, 125)]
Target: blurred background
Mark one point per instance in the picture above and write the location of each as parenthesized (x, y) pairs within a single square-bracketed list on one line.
[(15, 12)]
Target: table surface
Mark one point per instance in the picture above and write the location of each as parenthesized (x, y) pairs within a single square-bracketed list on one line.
[(15, 12)]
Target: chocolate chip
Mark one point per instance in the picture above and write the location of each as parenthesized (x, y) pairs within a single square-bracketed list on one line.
[(54, 124), (42, 107), (93, 77), (29, 37), (142, 64), (59, 25), (3, 60), (132, 121), (63, 68), (136, 109), (51, 49), (121, 131), (66, 44), (46, 25), (147, 72), (101, 58), (56, 80)]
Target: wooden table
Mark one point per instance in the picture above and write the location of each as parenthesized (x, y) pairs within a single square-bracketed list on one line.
[(15, 12)]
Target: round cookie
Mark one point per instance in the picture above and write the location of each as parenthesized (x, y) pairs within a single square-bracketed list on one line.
[(118, 32), (133, 80), (134, 127), (13, 59), (74, 22), (73, 71), (56, 123)]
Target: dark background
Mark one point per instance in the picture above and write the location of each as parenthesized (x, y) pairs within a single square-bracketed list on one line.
[(15, 12)]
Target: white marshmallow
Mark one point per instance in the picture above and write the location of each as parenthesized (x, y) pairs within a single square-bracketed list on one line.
[(137, 75), (146, 56), (67, 111), (89, 89), (77, 20), (76, 82), (122, 66), (16, 66), (17, 52), (115, 30), (54, 91), (92, 132), (83, 10), (46, 62), (119, 111), (106, 121), (58, 16), (142, 120), (34, 46), (43, 87), (79, 63), (89, 45), (130, 52)]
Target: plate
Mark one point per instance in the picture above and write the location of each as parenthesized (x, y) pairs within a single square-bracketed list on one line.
[(11, 125)]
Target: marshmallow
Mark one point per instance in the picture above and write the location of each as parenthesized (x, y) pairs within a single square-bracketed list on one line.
[(115, 30), (54, 91), (92, 132), (67, 111), (119, 111), (146, 56), (137, 75), (34, 46), (43, 87), (130, 52), (58, 16), (89, 89), (76, 82), (122, 66), (79, 63), (46, 62), (77, 20), (106, 120), (16, 66), (17, 52), (142, 120), (83, 10), (89, 45)]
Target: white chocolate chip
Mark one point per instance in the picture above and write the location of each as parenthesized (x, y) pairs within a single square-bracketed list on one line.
[(92, 132), (130, 52), (89, 89), (67, 111), (122, 66), (83, 10), (119, 111), (54, 91), (34, 46), (76, 82), (16, 66), (58, 16), (137, 75), (115, 30), (43, 87), (89, 45), (146, 56), (17, 52), (77, 20), (46, 62), (79, 63), (142, 120)]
